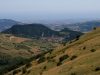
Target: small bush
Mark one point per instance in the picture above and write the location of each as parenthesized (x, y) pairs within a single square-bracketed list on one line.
[(24, 71), (73, 73), (77, 37), (84, 48), (73, 57), (97, 69), (59, 63), (41, 59), (94, 28), (28, 65), (44, 67), (63, 58), (92, 50)]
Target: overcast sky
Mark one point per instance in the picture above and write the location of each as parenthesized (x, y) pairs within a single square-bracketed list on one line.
[(49, 9)]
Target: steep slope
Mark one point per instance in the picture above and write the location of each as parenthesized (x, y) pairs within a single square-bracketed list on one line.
[(7, 23), (81, 57)]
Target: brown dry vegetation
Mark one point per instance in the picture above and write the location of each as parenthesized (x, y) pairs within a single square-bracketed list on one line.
[(83, 58), (16, 51)]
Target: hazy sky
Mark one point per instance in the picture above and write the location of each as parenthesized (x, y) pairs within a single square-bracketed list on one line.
[(49, 9)]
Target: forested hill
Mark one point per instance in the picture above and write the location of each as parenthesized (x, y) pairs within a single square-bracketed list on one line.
[(37, 30)]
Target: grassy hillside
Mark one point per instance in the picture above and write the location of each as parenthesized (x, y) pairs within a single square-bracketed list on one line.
[(78, 57), (16, 51)]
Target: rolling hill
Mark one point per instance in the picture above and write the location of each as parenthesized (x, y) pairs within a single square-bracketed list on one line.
[(7, 23), (81, 57), (83, 26), (80, 26), (39, 31), (31, 30), (69, 34)]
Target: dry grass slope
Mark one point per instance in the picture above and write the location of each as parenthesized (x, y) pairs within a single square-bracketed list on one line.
[(16, 52), (82, 57)]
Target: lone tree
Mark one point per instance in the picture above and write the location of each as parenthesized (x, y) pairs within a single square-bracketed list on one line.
[(94, 28), (77, 37)]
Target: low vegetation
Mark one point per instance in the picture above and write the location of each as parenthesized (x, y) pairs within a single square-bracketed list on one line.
[(18, 51), (80, 57)]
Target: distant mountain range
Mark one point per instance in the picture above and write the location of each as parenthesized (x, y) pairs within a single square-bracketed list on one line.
[(82, 27), (31, 30), (7, 23), (39, 30)]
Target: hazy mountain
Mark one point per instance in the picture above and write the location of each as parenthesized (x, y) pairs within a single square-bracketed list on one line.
[(31, 30), (39, 30), (82, 26), (7, 23), (71, 35)]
